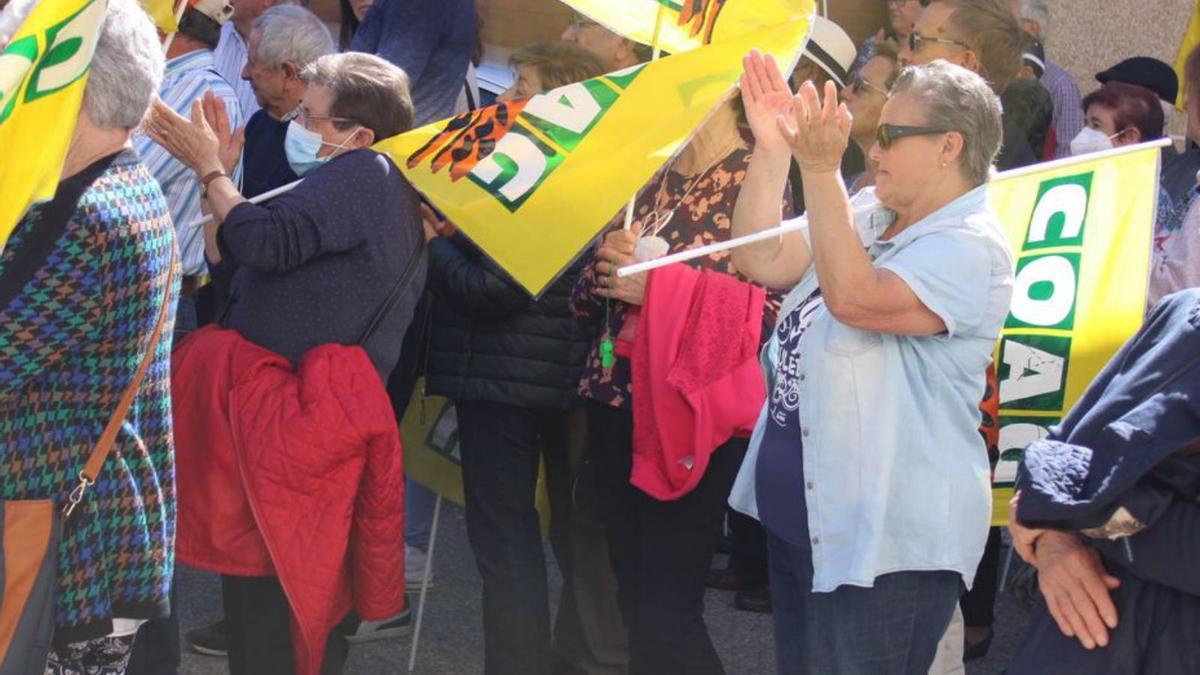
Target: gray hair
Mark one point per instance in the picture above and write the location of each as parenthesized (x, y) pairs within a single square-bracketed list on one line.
[(291, 34), (956, 99), (127, 67), (1037, 12)]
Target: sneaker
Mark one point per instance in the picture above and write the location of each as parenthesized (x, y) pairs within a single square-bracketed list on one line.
[(370, 631), (210, 640), (415, 561)]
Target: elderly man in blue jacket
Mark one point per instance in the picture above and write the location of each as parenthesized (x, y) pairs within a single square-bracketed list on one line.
[(1107, 511)]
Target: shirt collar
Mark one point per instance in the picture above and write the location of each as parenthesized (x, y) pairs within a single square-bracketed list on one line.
[(199, 59), (948, 216)]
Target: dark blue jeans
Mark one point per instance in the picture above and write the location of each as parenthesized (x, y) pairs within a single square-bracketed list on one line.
[(890, 629), (501, 449)]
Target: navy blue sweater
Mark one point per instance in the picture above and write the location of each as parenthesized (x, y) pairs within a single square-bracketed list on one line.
[(1130, 442), (317, 263)]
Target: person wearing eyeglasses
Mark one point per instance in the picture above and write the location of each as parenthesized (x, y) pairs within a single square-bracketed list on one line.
[(868, 91), (984, 37), (902, 14), (897, 299), (314, 266), (614, 51)]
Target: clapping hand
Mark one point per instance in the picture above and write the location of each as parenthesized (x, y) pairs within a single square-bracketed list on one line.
[(766, 97), (818, 130)]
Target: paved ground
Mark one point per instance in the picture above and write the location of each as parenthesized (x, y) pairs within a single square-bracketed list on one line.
[(452, 640)]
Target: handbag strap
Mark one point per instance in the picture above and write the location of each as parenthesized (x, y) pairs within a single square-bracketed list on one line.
[(393, 297), (95, 461)]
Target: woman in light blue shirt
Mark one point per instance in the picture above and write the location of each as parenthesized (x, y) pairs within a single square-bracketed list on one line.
[(867, 468)]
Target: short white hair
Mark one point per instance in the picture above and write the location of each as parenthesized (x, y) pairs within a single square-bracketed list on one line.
[(1037, 12), (127, 67), (291, 34)]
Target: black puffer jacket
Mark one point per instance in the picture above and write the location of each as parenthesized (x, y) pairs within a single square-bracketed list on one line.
[(491, 341)]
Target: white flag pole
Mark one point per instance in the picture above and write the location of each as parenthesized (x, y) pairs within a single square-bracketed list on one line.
[(798, 223)]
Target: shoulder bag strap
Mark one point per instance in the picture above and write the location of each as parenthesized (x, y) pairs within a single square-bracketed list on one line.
[(402, 283), (91, 470)]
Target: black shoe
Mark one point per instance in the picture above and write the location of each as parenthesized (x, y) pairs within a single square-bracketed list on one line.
[(978, 649), (370, 631), (753, 600), (211, 640), (725, 579)]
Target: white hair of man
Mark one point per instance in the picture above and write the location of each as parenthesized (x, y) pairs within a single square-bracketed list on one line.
[(1036, 11), (127, 67), (291, 34)]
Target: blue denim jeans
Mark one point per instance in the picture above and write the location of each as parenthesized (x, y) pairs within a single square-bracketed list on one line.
[(892, 628)]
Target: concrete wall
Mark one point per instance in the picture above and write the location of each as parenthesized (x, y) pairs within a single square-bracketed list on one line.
[(1088, 36)]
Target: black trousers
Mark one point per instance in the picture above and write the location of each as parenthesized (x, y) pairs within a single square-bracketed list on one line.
[(979, 604), (661, 551), (260, 641)]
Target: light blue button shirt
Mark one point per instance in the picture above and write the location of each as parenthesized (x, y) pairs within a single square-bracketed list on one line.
[(896, 472), (185, 79)]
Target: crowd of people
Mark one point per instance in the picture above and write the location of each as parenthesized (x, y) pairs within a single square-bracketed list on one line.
[(775, 385)]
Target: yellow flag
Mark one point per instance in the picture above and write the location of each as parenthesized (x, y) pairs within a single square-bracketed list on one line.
[(42, 75), (1081, 235), (1191, 40), (531, 182), (162, 12), (681, 25)]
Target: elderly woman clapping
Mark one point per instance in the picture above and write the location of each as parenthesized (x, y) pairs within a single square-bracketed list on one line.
[(866, 467), (317, 265)]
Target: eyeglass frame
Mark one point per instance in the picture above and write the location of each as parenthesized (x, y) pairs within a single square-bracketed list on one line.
[(579, 22), (858, 82), (915, 40), (300, 114), (887, 134)]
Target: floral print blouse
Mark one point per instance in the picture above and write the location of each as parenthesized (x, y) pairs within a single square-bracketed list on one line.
[(702, 216)]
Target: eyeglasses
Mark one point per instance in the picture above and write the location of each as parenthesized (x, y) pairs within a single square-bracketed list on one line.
[(301, 114), (900, 2), (579, 22), (887, 134), (858, 84), (915, 40)]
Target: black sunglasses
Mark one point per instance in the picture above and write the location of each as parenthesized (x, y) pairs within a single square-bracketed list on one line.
[(915, 40), (887, 134)]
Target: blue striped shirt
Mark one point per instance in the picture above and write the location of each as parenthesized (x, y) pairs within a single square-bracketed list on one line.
[(230, 58), (186, 79)]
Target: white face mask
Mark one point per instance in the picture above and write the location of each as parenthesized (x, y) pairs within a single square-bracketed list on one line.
[(1091, 140)]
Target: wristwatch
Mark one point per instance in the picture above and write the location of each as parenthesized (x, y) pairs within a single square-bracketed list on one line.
[(208, 179)]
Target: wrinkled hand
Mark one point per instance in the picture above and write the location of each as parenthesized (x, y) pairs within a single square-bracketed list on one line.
[(765, 96), (817, 131), (229, 141), (190, 141), (1024, 538), (617, 252), (1077, 588)]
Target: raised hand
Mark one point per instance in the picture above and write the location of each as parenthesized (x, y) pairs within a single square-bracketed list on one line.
[(230, 142), (818, 130), (190, 141), (766, 96)]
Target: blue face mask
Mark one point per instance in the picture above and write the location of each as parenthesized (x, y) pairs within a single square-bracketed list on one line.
[(302, 145)]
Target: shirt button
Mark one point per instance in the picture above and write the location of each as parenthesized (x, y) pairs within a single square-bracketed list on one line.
[(816, 540), (809, 485), (801, 377), (805, 433)]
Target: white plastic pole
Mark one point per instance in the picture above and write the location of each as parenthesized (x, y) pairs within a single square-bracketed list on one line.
[(798, 223), (420, 618)]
